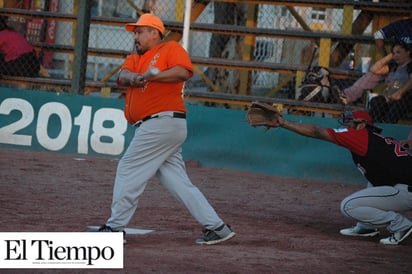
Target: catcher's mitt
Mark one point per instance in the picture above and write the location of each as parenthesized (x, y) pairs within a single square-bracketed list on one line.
[(262, 114)]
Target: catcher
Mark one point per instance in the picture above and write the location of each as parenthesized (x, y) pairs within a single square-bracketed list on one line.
[(382, 160)]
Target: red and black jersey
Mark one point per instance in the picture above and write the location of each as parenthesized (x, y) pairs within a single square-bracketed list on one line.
[(382, 160)]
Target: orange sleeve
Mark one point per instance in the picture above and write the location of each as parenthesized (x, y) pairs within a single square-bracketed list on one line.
[(179, 57)]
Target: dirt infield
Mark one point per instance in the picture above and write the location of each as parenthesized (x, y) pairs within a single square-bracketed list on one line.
[(283, 225)]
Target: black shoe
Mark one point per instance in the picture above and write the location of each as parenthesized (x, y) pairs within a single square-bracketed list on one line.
[(106, 228), (221, 234)]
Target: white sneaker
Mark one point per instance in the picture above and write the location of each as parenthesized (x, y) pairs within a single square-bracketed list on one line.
[(359, 231), (396, 237)]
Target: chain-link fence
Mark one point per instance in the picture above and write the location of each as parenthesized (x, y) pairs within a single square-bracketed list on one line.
[(264, 49)]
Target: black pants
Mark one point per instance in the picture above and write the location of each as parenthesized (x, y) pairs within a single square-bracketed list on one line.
[(26, 65), (390, 112)]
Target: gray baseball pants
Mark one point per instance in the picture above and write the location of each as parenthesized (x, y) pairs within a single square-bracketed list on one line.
[(156, 150), (376, 207)]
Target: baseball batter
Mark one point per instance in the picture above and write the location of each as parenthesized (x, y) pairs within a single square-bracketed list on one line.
[(154, 105), (384, 162)]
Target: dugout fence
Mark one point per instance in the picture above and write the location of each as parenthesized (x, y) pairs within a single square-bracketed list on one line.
[(242, 50)]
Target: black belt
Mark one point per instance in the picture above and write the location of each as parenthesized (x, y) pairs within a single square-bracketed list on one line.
[(410, 188), (180, 115)]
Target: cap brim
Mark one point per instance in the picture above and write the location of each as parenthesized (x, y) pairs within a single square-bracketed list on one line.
[(130, 27)]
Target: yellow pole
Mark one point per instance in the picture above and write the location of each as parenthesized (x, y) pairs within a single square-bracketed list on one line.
[(324, 52), (249, 42), (347, 19), (179, 10), (299, 78)]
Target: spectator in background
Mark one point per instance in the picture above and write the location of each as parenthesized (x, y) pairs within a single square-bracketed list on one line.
[(397, 100), (17, 56), (400, 30)]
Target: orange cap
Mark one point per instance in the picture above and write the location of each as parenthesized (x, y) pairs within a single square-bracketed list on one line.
[(147, 20)]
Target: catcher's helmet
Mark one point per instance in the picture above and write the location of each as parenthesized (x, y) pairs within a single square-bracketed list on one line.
[(358, 116)]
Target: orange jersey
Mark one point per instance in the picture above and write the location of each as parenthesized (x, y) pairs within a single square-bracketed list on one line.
[(156, 96)]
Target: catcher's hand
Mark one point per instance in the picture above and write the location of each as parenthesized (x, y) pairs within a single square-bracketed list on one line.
[(262, 114)]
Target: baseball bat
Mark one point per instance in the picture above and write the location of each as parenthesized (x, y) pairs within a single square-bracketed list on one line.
[(150, 72), (312, 58)]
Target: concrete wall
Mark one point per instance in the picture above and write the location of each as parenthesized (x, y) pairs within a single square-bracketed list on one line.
[(222, 138)]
